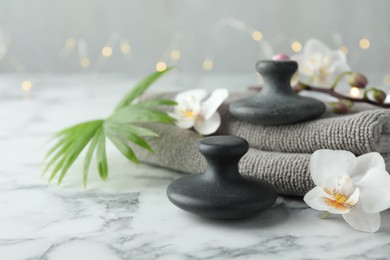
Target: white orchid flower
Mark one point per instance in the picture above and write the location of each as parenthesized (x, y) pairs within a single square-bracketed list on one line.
[(358, 188), (320, 64), (194, 110)]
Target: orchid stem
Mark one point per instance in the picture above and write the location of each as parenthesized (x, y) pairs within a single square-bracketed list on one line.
[(303, 86), (325, 215), (333, 93), (340, 77), (365, 96)]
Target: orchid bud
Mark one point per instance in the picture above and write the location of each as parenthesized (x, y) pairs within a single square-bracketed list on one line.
[(281, 57), (379, 96), (339, 107), (357, 80), (299, 87), (347, 102)]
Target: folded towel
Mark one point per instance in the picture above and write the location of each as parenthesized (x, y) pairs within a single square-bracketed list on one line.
[(177, 149), (365, 129)]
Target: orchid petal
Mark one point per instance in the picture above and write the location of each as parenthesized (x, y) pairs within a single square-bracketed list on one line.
[(196, 94), (337, 57), (364, 163), (375, 190), (328, 163), (346, 186), (314, 198), (363, 221), (321, 64), (323, 83), (318, 199), (314, 46), (185, 122), (340, 64), (209, 126), (354, 198), (210, 106), (330, 182)]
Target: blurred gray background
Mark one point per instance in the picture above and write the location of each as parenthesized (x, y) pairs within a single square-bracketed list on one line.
[(203, 36)]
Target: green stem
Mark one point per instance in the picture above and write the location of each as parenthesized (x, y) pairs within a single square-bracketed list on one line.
[(367, 91), (325, 215), (333, 93), (340, 77)]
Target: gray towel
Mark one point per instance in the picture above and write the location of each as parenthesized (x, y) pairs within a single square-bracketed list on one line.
[(177, 149), (365, 129)]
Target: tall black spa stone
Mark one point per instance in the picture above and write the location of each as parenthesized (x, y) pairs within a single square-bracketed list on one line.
[(221, 192), (277, 103)]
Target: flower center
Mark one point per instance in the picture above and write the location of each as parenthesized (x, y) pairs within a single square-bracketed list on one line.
[(338, 200), (188, 113), (323, 74), (344, 196)]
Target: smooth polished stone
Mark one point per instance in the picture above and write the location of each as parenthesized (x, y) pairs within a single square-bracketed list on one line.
[(277, 103), (130, 217), (221, 192)]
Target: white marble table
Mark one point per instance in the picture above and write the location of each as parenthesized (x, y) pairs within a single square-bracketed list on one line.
[(129, 217)]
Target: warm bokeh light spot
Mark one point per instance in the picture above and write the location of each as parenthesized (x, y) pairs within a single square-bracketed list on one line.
[(107, 51), (354, 92), (208, 64), (344, 49), (161, 66), (26, 85), (257, 36), (296, 46), (125, 48), (70, 42), (175, 55), (85, 62), (364, 43)]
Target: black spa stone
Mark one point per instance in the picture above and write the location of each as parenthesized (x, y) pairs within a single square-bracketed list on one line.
[(277, 103), (221, 192)]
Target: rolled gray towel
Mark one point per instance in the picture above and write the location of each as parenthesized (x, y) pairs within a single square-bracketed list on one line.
[(177, 149), (365, 129)]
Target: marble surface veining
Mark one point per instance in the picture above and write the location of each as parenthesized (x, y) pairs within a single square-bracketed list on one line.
[(129, 217)]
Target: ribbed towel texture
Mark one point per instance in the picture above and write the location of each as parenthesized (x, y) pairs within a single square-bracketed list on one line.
[(177, 149), (278, 154), (364, 130)]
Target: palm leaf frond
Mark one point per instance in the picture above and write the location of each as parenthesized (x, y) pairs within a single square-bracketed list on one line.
[(121, 128), (124, 148), (140, 88), (101, 157), (88, 158)]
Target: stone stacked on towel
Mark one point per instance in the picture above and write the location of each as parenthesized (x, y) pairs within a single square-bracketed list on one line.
[(278, 154)]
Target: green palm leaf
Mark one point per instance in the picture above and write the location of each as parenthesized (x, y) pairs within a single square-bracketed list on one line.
[(124, 128), (76, 148), (140, 88), (101, 156), (124, 148), (154, 103), (66, 144), (140, 115), (121, 128), (88, 158)]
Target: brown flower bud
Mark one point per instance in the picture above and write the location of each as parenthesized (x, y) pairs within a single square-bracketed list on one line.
[(357, 80), (347, 102), (339, 107), (299, 87), (379, 96)]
